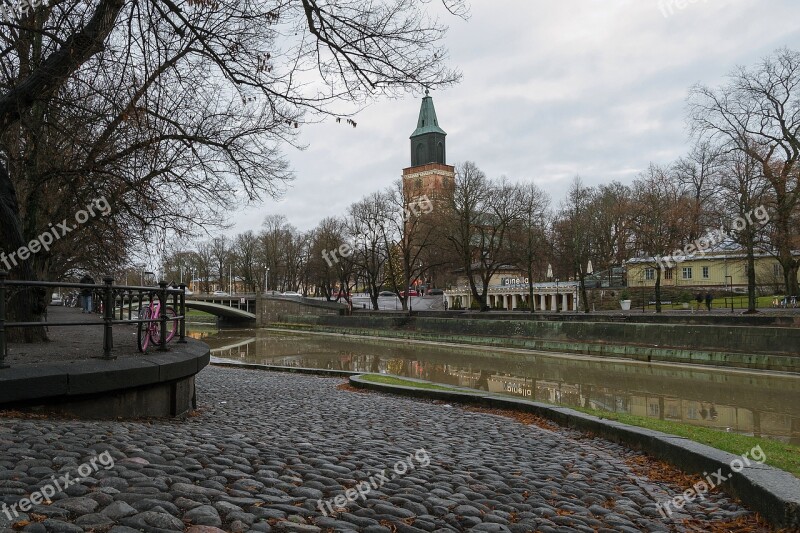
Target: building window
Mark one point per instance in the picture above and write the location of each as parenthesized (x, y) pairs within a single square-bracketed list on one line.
[(649, 274), (776, 269), (706, 274), (668, 273), (687, 272)]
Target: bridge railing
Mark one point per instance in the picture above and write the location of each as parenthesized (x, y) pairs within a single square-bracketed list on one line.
[(111, 298)]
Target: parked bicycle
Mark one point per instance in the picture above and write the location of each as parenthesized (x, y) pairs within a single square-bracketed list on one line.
[(149, 331)]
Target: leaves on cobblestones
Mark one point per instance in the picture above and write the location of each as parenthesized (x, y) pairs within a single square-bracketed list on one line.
[(389, 525), (11, 413), (660, 471), (752, 523), (349, 388), (523, 418)]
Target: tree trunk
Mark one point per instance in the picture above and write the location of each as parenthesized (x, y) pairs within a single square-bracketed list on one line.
[(531, 303), (583, 292), (26, 304), (751, 278), (791, 281), (658, 291), (485, 288)]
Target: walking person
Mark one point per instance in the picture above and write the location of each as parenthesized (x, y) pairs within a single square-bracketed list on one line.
[(86, 293), (709, 298), (699, 299)]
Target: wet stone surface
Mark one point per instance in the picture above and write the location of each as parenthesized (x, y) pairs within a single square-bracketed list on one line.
[(279, 452)]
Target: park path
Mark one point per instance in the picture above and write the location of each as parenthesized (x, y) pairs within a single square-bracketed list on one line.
[(272, 452)]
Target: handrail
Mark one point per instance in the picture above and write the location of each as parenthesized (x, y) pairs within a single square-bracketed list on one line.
[(110, 295)]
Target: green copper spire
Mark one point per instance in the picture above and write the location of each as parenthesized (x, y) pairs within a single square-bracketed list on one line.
[(428, 140), (427, 122)]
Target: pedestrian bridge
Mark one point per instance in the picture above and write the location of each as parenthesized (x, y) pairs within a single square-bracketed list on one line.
[(220, 310)]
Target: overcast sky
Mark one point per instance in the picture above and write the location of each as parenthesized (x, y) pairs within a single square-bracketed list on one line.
[(549, 90)]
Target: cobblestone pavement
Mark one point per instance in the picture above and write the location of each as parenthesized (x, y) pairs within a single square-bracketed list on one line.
[(265, 448)]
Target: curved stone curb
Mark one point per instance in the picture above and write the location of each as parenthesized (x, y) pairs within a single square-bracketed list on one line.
[(773, 493), (220, 361), (89, 383)]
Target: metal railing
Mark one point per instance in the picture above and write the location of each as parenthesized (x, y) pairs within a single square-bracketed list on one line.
[(113, 298)]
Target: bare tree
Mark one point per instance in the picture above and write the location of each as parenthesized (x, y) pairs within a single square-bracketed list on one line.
[(610, 225), (574, 234), (758, 113), (408, 234), (366, 222), (476, 227), (743, 191), (221, 255), (205, 258), (275, 238), (244, 253), (661, 221), (331, 259), (698, 173), (528, 235), (149, 102)]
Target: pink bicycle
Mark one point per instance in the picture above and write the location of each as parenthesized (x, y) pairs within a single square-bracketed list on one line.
[(150, 325)]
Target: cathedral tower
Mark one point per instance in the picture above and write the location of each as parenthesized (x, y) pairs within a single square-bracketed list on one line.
[(429, 174)]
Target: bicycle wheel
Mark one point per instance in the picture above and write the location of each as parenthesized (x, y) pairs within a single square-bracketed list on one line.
[(172, 324), (143, 330), (172, 327)]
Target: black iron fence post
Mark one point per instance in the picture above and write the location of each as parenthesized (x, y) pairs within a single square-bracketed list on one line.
[(162, 315), (182, 311), (3, 276), (108, 317)]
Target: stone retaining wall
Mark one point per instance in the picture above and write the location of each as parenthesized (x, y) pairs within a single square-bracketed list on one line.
[(771, 348)]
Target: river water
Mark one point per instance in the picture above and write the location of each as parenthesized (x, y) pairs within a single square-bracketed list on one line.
[(757, 403)]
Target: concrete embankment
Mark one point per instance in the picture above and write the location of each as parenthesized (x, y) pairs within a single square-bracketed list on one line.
[(766, 348)]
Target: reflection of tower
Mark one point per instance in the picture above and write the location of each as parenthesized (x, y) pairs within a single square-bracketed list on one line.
[(429, 175)]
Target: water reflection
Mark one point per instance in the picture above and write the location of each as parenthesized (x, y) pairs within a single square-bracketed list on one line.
[(761, 404)]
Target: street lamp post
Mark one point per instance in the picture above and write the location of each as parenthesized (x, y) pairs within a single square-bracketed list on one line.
[(589, 272), (730, 289), (550, 277), (266, 282)]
